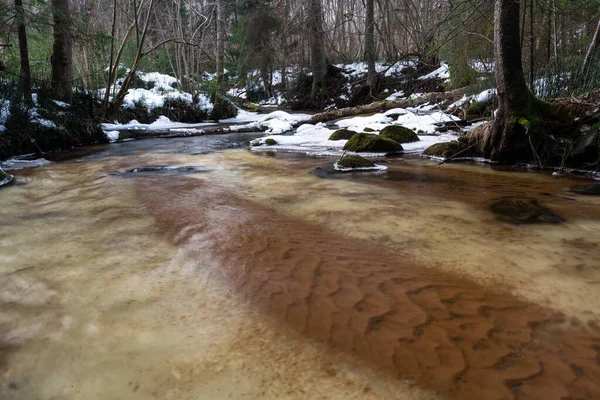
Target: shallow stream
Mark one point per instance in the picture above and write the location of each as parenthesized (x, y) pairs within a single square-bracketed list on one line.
[(220, 273)]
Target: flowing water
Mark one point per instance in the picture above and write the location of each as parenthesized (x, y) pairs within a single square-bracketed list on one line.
[(218, 273)]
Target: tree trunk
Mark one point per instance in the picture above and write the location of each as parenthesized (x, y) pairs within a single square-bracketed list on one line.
[(518, 110), (25, 78), (318, 62), (370, 46), (218, 111), (62, 52), (592, 50)]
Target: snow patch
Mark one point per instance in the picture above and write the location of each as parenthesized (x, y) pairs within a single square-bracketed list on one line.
[(376, 167), (443, 72)]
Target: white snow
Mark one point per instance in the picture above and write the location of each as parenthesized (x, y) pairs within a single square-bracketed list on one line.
[(280, 121), (61, 104), (161, 91), (460, 102), (376, 122), (395, 96), (486, 96), (16, 163), (483, 66), (424, 123), (313, 139), (395, 111), (443, 72), (376, 167), (4, 111), (2, 128), (112, 136)]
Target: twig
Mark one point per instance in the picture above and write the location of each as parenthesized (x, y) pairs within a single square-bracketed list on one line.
[(462, 151)]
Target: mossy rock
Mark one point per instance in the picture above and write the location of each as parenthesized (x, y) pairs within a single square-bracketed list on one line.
[(445, 150), (369, 130), (521, 210), (399, 134), (354, 161), (477, 109), (342, 134), (393, 116), (369, 143), (270, 142)]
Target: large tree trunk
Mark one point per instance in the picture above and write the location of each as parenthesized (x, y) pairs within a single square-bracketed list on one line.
[(518, 110), (370, 45), (25, 78), (318, 61), (62, 52), (220, 106)]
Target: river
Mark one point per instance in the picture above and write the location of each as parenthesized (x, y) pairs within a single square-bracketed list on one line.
[(251, 276)]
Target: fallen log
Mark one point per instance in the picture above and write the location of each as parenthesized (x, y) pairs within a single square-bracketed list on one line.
[(330, 115), (384, 105)]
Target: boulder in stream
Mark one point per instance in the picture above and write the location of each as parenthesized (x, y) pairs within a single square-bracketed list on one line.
[(522, 210), (369, 143), (342, 134), (399, 134)]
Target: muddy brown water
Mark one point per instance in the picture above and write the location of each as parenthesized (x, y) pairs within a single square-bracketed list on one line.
[(257, 278)]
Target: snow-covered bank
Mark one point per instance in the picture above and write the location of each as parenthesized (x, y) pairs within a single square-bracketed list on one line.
[(314, 138)]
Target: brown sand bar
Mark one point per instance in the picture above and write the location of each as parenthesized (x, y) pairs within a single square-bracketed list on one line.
[(445, 332)]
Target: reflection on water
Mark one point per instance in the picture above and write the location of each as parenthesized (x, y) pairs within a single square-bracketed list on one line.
[(262, 280)]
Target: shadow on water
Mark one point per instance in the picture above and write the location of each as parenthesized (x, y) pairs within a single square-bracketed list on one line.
[(197, 145)]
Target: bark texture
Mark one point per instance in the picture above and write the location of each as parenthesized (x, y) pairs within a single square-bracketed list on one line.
[(62, 52), (370, 45), (318, 61), (25, 77), (518, 109), (220, 106)]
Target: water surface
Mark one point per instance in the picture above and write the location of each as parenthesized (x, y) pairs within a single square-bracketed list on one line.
[(255, 278)]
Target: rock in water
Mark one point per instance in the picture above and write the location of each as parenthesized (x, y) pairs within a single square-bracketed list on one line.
[(342, 134), (399, 134), (521, 210), (586, 149), (368, 143), (354, 161), (588, 190)]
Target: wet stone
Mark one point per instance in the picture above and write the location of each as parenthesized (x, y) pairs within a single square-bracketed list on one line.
[(151, 170), (522, 210), (588, 190)]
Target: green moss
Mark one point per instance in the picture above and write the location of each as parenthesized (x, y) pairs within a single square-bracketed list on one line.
[(532, 114), (444, 150), (399, 134), (342, 134), (369, 130), (256, 143), (271, 142), (368, 143), (354, 161), (477, 109), (3, 174)]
